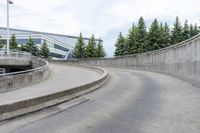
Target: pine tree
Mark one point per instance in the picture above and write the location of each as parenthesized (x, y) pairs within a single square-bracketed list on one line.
[(196, 30), (186, 31), (1, 45), (120, 45), (159, 36), (131, 41), (100, 51), (154, 36), (191, 30), (176, 33), (90, 48), (162, 36), (141, 35), (13, 43), (31, 47), (166, 38), (79, 50), (44, 52)]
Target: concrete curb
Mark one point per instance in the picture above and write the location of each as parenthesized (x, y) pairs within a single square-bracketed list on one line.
[(13, 110)]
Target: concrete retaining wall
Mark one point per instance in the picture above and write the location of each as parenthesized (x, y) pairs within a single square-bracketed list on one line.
[(181, 61), (30, 105), (20, 79)]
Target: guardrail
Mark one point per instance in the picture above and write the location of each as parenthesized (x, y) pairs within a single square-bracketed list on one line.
[(14, 54)]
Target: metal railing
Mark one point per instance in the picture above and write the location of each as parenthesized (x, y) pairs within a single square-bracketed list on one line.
[(42, 64), (14, 54)]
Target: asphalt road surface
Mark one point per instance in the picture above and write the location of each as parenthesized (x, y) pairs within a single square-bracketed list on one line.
[(131, 102)]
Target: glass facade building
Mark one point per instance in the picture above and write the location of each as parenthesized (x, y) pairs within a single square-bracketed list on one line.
[(60, 46)]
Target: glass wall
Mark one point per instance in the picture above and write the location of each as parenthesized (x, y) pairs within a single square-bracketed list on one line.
[(3, 41), (56, 55), (60, 48), (22, 41)]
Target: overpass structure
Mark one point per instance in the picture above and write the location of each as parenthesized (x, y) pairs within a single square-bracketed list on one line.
[(145, 93), (14, 58)]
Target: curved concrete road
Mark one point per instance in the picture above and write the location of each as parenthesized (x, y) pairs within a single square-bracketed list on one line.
[(62, 77), (132, 102)]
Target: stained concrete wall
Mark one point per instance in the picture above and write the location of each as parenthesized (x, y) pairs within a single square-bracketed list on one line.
[(181, 61), (20, 79)]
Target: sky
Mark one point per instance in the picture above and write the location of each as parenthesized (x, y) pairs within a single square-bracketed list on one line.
[(103, 18)]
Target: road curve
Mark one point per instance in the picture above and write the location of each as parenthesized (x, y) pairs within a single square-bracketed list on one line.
[(131, 102), (62, 77)]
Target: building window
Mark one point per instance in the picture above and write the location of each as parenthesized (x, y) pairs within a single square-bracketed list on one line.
[(3, 41), (24, 41), (56, 55), (60, 48)]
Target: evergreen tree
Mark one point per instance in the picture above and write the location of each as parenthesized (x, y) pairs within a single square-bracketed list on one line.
[(120, 45), (90, 48), (13, 43), (44, 52), (79, 50), (140, 36), (191, 30), (31, 47), (162, 36), (159, 36), (176, 33), (197, 27), (166, 38), (131, 41), (154, 36), (196, 30), (186, 31), (1, 45), (100, 51)]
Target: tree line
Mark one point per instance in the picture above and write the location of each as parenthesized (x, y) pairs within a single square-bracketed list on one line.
[(91, 50), (140, 39), (30, 46)]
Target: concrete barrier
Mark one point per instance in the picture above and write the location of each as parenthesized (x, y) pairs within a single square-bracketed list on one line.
[(38, 73), (12, 110), (181, 61)]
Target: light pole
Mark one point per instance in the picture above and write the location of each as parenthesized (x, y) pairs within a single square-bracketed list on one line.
[(8, 2)]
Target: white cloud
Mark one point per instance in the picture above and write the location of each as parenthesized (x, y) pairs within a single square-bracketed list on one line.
[(100, 17)]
